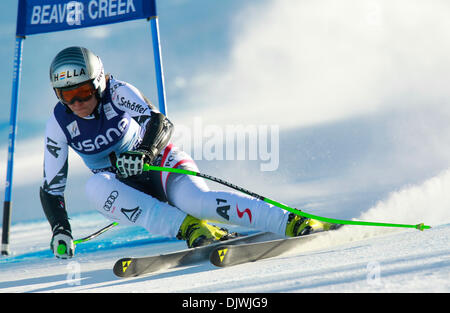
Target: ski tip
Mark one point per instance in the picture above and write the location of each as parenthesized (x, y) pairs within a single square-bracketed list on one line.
[(218, 256), (422, 226), (121, 267)]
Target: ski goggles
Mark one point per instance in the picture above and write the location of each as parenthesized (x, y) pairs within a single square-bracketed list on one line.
[(81, 92)]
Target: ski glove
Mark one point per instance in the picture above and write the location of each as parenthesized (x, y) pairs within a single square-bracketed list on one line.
[(62, 243), (131, 163)]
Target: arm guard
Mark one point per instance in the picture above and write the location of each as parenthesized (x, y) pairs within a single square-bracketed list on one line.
[(157, 135), (54, 209)]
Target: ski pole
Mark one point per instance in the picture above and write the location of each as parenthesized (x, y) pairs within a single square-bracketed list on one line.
[(62, 247), (96, 234), (148, 167)]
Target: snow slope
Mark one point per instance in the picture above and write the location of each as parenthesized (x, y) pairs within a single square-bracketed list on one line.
[(355, 259), (352, 259)]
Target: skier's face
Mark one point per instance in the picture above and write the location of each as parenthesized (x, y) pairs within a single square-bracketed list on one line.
[(83, 108), (80, 98)]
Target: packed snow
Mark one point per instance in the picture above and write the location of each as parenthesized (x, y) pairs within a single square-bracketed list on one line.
[(352, 259)]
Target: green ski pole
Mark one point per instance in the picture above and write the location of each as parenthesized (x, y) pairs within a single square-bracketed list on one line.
[(96, 234), (62, 247), (148, 167)]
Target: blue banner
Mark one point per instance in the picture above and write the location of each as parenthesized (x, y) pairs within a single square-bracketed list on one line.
[(44, 16)]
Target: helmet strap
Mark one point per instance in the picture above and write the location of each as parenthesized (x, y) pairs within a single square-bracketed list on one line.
[(68, 110)]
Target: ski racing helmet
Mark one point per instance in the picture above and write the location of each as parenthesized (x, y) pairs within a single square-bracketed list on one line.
[(75, 68)]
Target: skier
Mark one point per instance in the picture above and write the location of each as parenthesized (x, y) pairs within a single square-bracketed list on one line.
[(115, 129)]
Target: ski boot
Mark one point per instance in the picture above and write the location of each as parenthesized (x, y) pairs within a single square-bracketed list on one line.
[(300, 226), (199, 233)]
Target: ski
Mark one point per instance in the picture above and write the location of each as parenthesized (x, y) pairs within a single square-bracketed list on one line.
[(225, 255), (136, 266)]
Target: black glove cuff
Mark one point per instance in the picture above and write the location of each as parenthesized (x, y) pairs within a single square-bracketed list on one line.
[(59, 229), (149, 156), (157, 135), (54, 209)]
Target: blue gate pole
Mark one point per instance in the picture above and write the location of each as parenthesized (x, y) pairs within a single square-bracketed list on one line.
[(17, 70), (158, 65)]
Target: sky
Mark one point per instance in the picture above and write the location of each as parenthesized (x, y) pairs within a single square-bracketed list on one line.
[(357, 92)]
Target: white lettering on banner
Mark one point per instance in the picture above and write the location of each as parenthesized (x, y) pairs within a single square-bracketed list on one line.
[(107, 8), (35, 15), (45, 14), (73, 12), (57, 14)]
